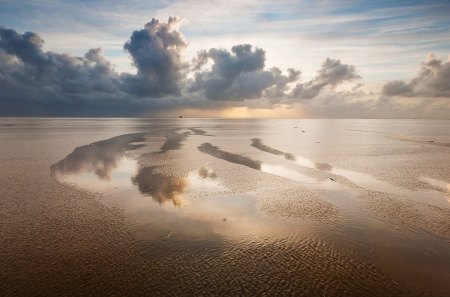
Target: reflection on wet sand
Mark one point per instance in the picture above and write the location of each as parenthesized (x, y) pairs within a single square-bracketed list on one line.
[(214, 151), (99, 157), (257, 143), (197, 131), (175, 140), (288, 173), (443, 186), (360, 179), (106, 160), (277, 170), (416, 140), (365, 131), (205, 173), (323, 166), (216, 221), (196, 226), (405, 138), (161, 188)]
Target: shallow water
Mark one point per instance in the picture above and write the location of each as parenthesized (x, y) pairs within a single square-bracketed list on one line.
[(352, 188)]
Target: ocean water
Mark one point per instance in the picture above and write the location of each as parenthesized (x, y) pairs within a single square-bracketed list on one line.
[(325, 206)]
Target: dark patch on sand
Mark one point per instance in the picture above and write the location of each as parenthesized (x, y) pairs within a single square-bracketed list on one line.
[(257, 143), (416, 140), (197, 131), (323, 166), (174, 140), (214, 151)]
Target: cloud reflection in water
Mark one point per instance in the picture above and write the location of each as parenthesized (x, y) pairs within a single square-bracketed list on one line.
[(160, 187), (105, 159), (100, 157)]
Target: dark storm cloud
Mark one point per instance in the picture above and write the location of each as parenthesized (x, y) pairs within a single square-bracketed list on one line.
[(238, 75), (25, 46), (38, 82), (332, 73), (280, 86), (234, 75), (156, 52), (35, 82), (26, 65), (433, 80), (32, 79), (200, 60)]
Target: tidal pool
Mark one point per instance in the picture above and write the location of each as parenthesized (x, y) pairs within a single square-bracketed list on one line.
[(216, 189)]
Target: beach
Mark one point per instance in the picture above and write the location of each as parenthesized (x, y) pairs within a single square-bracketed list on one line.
[(224, 207)]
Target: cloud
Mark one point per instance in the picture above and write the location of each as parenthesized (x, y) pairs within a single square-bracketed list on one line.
[(432, 80), (35, 82), (281, 82), (238, 74), (156, 53), (397, 87), (29, 75), (332, 73), (360, 104), (234, 75), (45, 72), (38, 82)]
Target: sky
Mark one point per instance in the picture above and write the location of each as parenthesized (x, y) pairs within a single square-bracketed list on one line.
[(276, 59)]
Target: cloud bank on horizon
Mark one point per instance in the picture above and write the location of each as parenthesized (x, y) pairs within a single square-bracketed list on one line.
[(35, 81), (432, 80), (32, 78)]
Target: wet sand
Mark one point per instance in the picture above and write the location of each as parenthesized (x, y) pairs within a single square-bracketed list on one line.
[(217, 207), (57, 240)]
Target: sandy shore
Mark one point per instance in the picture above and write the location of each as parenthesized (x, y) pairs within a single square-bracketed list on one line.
[(59, 240)]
